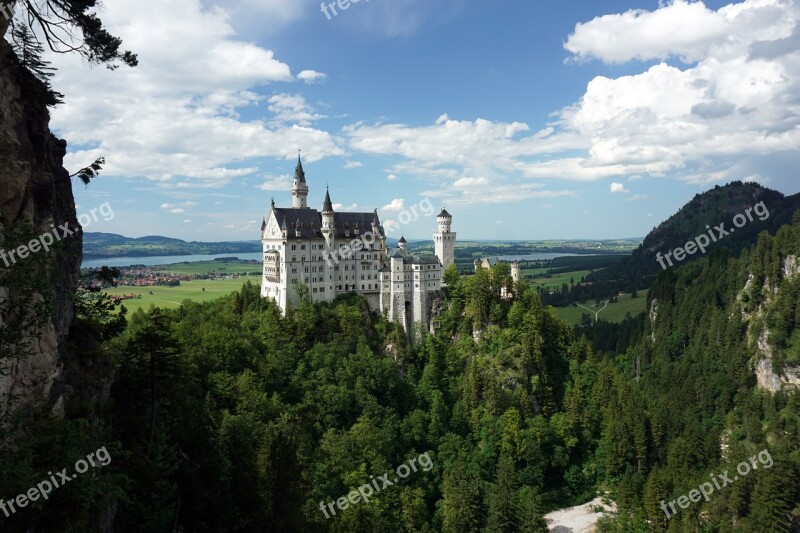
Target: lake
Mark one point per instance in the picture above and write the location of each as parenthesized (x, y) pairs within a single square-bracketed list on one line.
[(162, 260), (535, 256), (171, 259)]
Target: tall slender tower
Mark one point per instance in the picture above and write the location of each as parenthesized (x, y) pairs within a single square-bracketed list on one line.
[(445, 240), (299, 188), (515, 273), (328, 268), (328, 217)]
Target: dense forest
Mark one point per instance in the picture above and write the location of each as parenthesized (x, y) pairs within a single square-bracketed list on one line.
[(227, 416)]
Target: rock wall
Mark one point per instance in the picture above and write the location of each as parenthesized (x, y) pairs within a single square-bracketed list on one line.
[(35, 188)]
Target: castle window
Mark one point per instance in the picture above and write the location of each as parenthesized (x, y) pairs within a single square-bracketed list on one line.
[(294, 247), (302, 246)]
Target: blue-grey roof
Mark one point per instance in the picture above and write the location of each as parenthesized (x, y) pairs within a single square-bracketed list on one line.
[(310, 222)]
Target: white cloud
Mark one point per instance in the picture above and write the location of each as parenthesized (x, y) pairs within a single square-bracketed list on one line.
[(342, 207), (736, 101), (177, 211), (177, 208), (353, 164), (394, 205), (391, 177), (618, 187), (679, 28), (311, 76), (174, 117), (277, 183), (292, 108)]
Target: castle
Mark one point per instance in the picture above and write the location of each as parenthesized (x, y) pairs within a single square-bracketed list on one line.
[(487, 262), (322, 254)]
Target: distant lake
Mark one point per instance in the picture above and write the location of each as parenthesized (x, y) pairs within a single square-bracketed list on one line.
[(170, 259), (162, 260), (536, 256)]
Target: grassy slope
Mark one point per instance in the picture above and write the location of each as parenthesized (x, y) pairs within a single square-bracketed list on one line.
[(171, 297), (615, 312)]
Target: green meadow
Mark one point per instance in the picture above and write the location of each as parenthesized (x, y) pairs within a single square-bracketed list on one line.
[(208, 267), (171, 297), (615, 312), (554, 281)]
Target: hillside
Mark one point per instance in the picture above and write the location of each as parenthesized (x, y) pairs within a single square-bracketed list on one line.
[(102, 245), (718, 205)]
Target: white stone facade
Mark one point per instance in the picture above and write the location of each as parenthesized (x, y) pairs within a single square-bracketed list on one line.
[(325, 253)]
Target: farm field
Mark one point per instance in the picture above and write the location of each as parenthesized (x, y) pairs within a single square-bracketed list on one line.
[(615, 312), (208, 267), (556, 280), (171, 297)]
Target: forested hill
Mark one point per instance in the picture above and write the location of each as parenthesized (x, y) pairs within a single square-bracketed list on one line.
[(718, 205), (687, 405), (102, 245), (228, 416)]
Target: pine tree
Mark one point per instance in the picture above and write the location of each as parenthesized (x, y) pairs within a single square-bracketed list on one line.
[(29, 51)]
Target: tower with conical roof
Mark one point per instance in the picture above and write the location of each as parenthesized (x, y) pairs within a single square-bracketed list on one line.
[(328, 221), (444, 240), (299, 187)]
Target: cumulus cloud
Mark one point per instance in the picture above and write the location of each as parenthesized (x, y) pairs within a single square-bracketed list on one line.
[(277, 183), (292, 108), (618, 187), (174, 117), (680, 28), (353, 164), (734, 100), (311, 76), (394, 205)]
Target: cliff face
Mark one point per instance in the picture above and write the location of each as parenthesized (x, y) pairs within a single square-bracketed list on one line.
[(34, 189)]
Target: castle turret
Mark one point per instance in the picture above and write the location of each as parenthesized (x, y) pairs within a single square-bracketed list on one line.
[(515, 273), (328, 216), (299, 187), (445, 240), (402, 245)]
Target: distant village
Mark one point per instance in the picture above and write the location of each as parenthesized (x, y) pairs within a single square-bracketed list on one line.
[(152, 276)]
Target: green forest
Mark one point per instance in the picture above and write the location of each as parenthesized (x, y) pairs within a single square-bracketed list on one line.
[(227, 416)]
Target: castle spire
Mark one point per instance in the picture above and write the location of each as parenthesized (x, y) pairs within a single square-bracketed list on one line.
[(327, 207), (299, 187), (299, 173)]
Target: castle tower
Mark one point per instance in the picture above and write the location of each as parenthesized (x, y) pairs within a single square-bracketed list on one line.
[(402, 245), (299, 187), (515, 276), (328, 216), (329, 233), (444, 240)]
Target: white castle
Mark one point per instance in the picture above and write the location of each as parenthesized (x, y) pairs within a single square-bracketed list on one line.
[(326, 253)]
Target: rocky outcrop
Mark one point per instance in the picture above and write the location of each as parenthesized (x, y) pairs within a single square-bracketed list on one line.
[(36, 191), (766, 376), (653, 316)]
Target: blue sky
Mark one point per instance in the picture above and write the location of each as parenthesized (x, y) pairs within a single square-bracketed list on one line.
[(527, 120)]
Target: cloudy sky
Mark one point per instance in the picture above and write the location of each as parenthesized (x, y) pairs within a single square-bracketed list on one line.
[(527, 120)]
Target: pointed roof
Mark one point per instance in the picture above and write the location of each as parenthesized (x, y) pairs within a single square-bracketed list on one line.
[(327, 207), (299, 173), (444, 213), (402, 240)]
